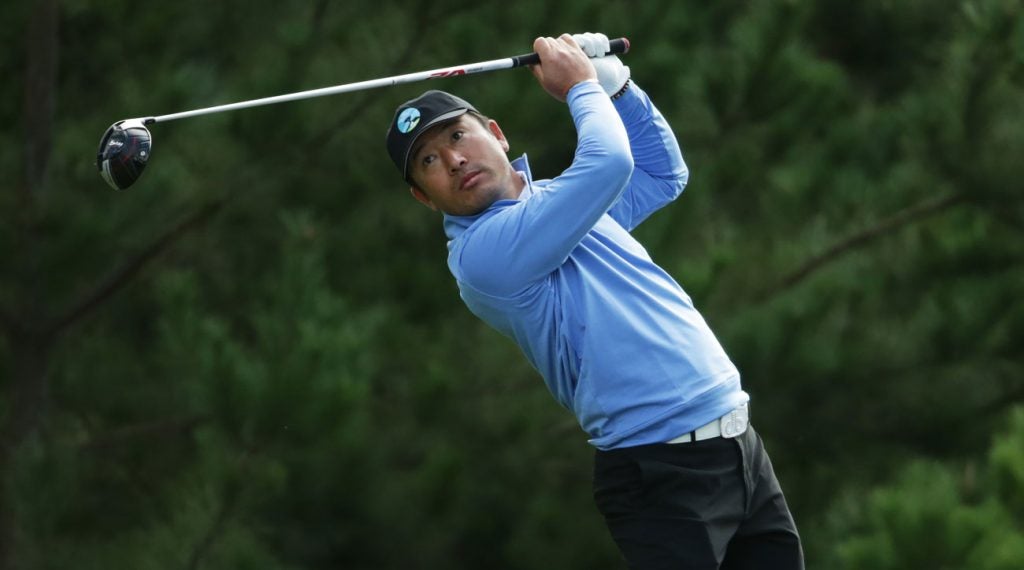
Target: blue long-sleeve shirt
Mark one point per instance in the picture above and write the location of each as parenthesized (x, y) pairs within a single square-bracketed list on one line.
[(616, 339)]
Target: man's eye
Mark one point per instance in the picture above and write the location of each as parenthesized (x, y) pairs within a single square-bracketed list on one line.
[(457, 135), (428, 159)]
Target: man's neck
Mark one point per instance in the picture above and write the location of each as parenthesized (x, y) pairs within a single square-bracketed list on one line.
[(518, 182)]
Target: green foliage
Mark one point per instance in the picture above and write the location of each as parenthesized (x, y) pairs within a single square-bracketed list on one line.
[(1007, 464), (931, 517), (293, 382)]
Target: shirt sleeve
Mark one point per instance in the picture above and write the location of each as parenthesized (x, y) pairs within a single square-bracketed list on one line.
[(660, 174), (519, 245)]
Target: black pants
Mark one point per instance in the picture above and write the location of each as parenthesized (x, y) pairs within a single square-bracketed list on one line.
[(704, 505)]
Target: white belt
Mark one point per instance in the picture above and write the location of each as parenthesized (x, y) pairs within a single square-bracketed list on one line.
[(728, 426)]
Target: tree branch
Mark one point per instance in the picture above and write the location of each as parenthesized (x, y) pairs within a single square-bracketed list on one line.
[(216, 528), (232, 495), (319, 11), (26, 392), (1005, 216), (318, 140), (40, 94), (158, 428), (124, 274), (922, 436), (862, 238)]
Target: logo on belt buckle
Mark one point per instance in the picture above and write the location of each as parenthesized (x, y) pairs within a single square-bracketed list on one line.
[(735, 422)]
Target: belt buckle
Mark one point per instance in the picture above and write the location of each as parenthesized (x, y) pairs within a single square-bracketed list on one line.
[(735, 422)]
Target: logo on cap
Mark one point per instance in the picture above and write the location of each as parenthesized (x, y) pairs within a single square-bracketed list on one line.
[(408, 120)]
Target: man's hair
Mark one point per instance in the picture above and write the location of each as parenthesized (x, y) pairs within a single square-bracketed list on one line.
[(483, 119)]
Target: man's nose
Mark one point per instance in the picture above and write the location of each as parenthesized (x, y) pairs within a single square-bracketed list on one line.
[(454, 160)]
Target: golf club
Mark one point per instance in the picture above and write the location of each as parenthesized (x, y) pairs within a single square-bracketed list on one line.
[(127, 145)]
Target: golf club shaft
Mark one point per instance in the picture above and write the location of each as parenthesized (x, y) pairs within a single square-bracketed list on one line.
[(616, 46)]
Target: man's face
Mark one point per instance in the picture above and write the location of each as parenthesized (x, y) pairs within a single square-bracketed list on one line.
[(461, 168)]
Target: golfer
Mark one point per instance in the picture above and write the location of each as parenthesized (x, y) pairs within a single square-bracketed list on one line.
[(681, 478)]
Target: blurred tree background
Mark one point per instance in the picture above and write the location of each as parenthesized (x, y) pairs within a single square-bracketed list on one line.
[(256, 358)]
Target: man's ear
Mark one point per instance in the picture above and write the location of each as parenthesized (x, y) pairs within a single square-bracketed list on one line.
[(422, 198), (492, 126)]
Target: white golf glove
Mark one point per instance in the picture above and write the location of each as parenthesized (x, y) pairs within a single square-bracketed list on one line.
[(611, 74)]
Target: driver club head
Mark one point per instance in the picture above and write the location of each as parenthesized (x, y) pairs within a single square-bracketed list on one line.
[(124, 151)]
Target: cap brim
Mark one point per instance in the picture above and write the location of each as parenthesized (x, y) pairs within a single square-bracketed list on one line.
[(443, 117)]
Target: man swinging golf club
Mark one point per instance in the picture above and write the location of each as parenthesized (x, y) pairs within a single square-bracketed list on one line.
[(681, 478)]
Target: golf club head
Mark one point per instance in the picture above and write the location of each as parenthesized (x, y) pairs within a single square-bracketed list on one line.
[(124, 152)]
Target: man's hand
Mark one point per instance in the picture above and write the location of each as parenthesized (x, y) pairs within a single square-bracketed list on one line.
[(562, 65), (611, 74)]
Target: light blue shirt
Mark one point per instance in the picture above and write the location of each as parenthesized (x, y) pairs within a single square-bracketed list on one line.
[(616, 339)]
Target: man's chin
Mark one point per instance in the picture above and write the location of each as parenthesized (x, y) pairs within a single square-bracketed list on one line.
[(472, 209)]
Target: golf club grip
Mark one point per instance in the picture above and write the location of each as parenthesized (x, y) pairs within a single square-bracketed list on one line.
[(615, 47)]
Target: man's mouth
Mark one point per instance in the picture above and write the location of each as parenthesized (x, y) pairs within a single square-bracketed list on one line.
[(469, 179)]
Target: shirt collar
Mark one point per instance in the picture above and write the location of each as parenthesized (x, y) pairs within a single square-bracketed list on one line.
[(455, 225)]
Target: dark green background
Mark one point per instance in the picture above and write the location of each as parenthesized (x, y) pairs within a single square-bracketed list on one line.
[(256, 358)]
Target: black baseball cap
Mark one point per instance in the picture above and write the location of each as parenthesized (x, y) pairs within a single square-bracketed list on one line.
[(414, 117)]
